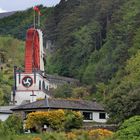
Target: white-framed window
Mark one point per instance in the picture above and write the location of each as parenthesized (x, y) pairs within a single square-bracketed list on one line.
[(88, 115)]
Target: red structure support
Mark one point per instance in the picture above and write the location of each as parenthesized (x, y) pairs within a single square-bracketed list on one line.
[(32, 51)]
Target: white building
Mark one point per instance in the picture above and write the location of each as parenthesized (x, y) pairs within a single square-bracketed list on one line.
[(91, 110), (5, 111), (30, 87)]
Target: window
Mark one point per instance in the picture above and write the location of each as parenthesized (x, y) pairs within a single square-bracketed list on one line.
[(88, 115), (102, 116), (46, 87), (39, 85), (43, 85)]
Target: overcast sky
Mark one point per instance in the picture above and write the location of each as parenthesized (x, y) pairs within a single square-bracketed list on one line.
[(14, 5)]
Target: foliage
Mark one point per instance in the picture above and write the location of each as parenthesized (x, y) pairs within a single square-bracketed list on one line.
[(71, 91), (80, 92), (96, 49), (14, 124), (121, 105), (57, 120), (100, 133), (124, 101), (63, 91), (17, 24), (36, 138), (53, 119), (129, 129), (2, 129), (11, 127), (74, 120), (8, 59)]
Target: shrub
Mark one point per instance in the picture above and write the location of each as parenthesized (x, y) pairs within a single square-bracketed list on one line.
[(130, 129), (2, 128), (54, 136), (100, 133), (57, 120), (14, 124), (54, 119), (77, 135), (96, 134), (74, 120), (36, 138)]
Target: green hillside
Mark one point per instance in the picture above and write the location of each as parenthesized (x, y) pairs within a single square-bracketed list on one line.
[(17, 24), (96, 42), (11, 53)]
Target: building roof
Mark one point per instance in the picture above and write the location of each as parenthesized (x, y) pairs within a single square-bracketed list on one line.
[(53, 103), (6, 109), (61, 79)]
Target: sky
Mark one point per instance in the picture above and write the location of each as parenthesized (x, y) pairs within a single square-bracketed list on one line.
[(14, 5)]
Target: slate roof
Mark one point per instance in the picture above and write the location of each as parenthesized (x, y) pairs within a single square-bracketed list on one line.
[(60, 79), (6, 109), (53, 103)]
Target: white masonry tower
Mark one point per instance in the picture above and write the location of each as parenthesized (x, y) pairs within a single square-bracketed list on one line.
[(30, 83)]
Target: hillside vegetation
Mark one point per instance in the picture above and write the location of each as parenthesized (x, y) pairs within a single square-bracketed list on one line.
[(98, 42), (95, 41), (11, 53), (17, 24)]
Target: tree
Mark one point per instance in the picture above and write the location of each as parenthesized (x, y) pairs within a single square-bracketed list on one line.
[(80, 92), (1, 96), (63, 91), (53, 119), (129, 129), (74, 120), (123, 103), (57, 120), (14, 124)]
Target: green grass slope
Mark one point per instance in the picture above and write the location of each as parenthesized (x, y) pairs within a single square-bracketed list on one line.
[(11, 53)]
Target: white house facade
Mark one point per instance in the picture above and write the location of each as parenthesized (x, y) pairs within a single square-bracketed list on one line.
[(91, 110)]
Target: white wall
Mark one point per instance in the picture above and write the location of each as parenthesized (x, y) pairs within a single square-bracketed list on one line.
[(95, 117), (35, 86), (3, 116), (41, 50), (24, 94)]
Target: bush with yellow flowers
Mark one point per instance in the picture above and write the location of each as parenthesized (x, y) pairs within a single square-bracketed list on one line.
[(100, 133), (97, 134), (71, 136), (36, 138), (56, 119)]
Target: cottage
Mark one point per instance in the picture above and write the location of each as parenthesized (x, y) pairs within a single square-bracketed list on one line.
[(91, 110)]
